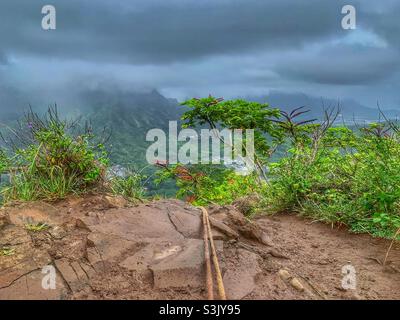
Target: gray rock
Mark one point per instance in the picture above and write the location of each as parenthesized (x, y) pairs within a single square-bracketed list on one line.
[(187, 223), (185, 269), (29, 287)]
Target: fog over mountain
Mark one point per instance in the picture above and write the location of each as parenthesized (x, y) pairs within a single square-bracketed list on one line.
[(246, 48), (350, 110)]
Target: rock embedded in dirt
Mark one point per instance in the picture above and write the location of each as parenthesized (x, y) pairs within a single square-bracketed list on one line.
[(230, 217), (57, 232), (12, 235), (116, 201), (140, 261), (108, 247), (29, 287), (265, 239), (72, 246), (150, 254), (187, 223), (284, 274), (73, 273), (240, 281), (35, 213), (185, 269), (297, 284), (136, 224), (22, 261), (222, 227), (20, 269)]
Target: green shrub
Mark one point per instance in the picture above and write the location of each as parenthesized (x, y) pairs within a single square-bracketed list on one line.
[(349, 178), (209, 184), (51, 161), (130, 187)]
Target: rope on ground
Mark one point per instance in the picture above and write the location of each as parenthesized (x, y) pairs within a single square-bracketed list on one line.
[(209, 280), (220, 283)]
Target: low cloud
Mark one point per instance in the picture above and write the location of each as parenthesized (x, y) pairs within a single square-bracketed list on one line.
[(193, 48), (342, 65)]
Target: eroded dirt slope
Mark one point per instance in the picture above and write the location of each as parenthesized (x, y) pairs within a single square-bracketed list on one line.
[(105, 248)]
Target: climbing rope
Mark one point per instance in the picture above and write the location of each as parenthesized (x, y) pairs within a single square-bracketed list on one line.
[(208, 238), (209, 280)]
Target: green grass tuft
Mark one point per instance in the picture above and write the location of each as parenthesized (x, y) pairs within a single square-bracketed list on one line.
[(36, 227)]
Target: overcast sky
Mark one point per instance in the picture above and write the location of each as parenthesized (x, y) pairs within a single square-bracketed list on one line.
[(187, 48)]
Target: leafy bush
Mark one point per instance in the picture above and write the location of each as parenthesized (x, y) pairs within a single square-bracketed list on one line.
[(205, 184), (349, 178)]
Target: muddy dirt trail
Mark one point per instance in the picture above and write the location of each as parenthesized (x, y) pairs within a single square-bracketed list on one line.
[(102, 247)]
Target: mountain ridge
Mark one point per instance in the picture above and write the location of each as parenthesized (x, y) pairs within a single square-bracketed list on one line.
[(350, 110)]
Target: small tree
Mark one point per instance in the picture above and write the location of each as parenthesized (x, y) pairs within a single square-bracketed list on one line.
[(238, 114)]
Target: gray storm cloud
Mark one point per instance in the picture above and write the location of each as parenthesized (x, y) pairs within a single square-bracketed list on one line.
[(165, 31), (353, 65), (191, 48), (3, 58)]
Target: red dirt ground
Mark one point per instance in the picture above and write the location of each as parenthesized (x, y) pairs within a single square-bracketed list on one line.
[(105, 248)]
